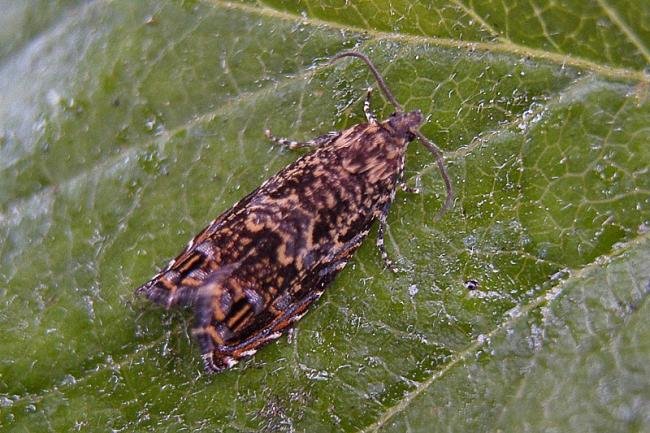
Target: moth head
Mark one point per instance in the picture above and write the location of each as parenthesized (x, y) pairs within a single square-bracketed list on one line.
[(402, 123)]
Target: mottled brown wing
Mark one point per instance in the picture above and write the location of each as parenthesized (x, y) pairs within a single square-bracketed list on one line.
[(223, 343), (312, 196), (258, 267), (178, 283)]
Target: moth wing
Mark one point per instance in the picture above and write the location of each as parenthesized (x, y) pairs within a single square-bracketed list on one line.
[(179, 282), (190, 270), (228, 330), (222, 348)]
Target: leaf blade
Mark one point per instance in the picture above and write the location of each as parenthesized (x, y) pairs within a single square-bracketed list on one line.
[(79, 232)]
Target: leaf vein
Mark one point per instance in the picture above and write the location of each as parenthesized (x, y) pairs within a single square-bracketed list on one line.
[(627, 31), (547, 297)]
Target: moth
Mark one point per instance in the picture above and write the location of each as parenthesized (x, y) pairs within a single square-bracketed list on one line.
[(255, 270)]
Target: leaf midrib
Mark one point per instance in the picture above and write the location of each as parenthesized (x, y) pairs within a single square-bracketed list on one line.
[(504, 45)]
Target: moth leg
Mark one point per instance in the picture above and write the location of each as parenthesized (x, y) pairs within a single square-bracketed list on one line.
[(380, 240), (410, 189), (314, 143), (372, 119)]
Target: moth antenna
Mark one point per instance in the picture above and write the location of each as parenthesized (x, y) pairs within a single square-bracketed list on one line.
[(425, 141), (380, 80), (443, 171)]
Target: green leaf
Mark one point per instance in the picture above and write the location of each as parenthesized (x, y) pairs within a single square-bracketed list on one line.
[(125, 127)]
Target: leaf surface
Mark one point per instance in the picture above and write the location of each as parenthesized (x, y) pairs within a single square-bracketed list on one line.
[(128, 126)]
